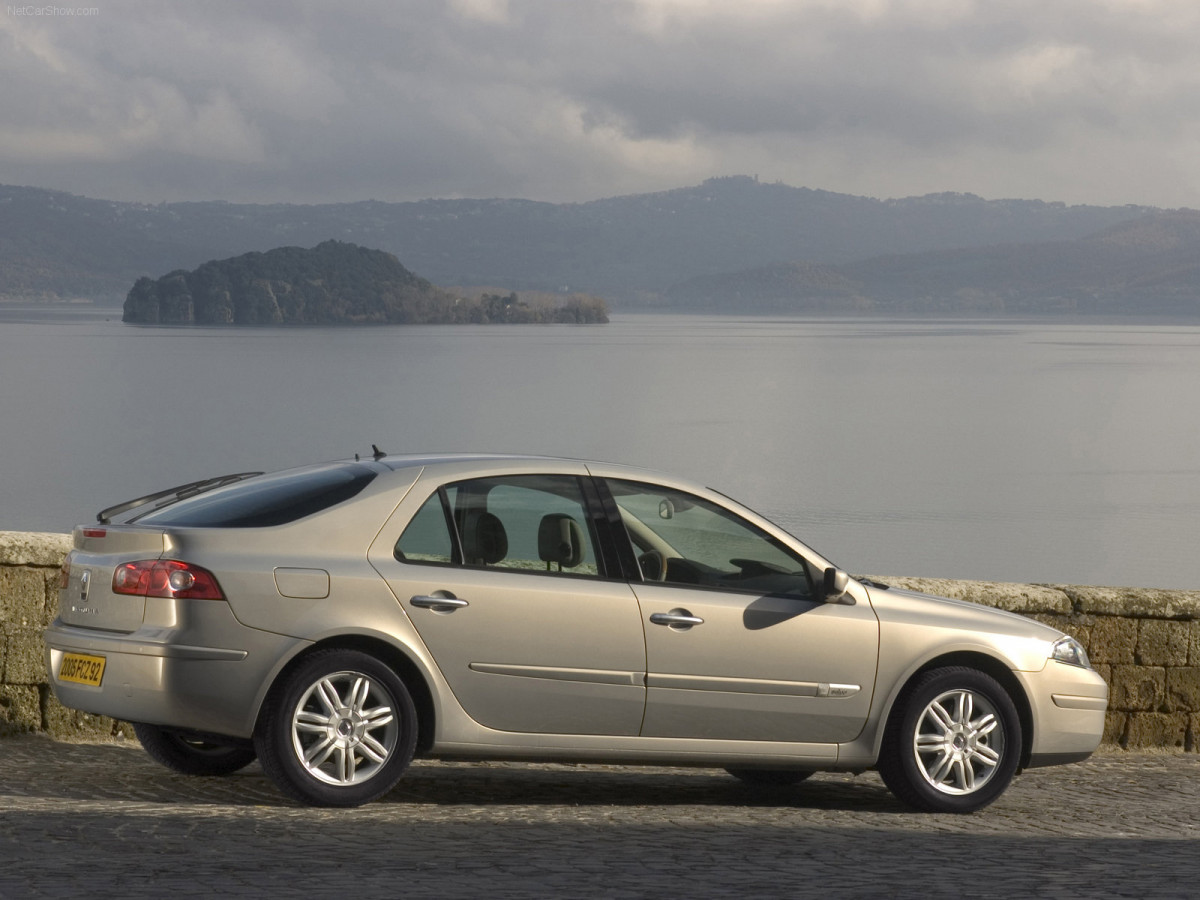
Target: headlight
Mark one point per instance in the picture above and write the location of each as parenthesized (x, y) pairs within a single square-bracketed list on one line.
[(1070, 651)]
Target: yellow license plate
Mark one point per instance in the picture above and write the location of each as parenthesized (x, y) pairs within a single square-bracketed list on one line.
[(81, 669)]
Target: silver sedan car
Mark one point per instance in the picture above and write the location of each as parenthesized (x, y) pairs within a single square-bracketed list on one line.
[(335, 621)]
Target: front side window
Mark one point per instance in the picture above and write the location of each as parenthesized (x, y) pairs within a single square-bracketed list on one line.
[(686, 540), (529, 523)]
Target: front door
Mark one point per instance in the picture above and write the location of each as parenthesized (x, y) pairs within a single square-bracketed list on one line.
[(739, 643)]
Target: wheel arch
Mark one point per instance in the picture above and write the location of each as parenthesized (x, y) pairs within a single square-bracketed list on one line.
[(392, 656), (981, 662)]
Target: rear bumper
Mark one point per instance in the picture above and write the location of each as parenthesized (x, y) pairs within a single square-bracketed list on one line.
[(152, 676)]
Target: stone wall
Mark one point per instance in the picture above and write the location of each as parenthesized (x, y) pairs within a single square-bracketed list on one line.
[(1146, 644), (29, 567)]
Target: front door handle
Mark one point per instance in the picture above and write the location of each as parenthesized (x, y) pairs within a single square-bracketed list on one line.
[(678, 619), (436, 603)]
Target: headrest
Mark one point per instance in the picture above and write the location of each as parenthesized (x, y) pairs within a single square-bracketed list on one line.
[(560, 540), (487, 542)]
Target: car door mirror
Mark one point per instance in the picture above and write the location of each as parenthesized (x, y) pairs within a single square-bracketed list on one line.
[(835, 584)]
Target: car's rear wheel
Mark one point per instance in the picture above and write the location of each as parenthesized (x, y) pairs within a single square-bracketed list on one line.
[(952, 743), (769, 777), (191, 755), (339, 730)]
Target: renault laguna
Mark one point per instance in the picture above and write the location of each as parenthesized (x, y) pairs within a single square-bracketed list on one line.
[(337, 620)]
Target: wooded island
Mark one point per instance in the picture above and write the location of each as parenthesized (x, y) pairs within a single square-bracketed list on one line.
[(334, 283)]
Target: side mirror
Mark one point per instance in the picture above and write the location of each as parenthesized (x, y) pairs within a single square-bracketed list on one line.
[(836, 582)]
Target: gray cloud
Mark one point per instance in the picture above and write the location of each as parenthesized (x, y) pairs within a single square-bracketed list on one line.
[(1077, 100)]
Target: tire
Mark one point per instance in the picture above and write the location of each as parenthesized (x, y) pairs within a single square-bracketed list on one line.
[(188, 755), (952, 743), (769, 777), (338, 730)]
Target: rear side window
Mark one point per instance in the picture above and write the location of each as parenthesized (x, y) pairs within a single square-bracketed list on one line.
[(427, 537), (529, 523), (266, 500)]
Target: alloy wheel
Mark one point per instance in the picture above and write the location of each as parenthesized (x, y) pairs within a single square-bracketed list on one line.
[(344, 728), (958, 742)]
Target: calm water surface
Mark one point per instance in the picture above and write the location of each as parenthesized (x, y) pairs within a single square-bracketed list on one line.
[(1013, 451)]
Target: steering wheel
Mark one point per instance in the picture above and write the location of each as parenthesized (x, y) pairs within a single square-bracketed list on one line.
[(653, 566)]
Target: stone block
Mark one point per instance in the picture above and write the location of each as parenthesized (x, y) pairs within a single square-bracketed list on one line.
[(1137, 688), (22, 597), (1133, 602), (1183, 689), (24, 657), (1114, 728), (1113, 640), (1192, 629), (31, 548), (1162, 642), (59, 721), (20, 709), (62, 723), (1148, 729), (50, 588)]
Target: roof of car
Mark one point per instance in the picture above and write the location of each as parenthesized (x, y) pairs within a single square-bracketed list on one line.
[(405, 460)]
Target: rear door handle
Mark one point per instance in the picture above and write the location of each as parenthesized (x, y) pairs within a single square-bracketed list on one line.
[(437, 604), (679, 619)]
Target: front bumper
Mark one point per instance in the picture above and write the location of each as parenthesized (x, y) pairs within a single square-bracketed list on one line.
[(1067, 705), (157, 676)]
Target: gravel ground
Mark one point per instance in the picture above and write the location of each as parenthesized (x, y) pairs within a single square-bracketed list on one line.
[(103, 820)]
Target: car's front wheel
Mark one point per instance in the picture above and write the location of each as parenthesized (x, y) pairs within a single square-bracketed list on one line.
[(952, 743), (339, 730), (190, 755)]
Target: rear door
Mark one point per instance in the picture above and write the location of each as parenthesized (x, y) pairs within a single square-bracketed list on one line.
[(504, 578)]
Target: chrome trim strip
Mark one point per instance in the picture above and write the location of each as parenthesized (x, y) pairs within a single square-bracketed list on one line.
[(751, 686), (589, 676)]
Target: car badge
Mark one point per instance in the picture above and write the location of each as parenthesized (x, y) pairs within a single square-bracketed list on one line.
[(85, 583)]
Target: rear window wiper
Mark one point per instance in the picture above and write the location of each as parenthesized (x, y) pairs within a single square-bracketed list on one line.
[(171, 495)]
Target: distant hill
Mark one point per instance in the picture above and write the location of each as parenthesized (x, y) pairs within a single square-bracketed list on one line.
[(333, 283), (1150, 264), (631, 249)]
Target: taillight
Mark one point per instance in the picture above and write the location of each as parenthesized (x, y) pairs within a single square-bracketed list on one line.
[(64, 575), (166, 578)]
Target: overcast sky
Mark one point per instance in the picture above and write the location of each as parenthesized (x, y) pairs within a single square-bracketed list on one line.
[(1084, 101)]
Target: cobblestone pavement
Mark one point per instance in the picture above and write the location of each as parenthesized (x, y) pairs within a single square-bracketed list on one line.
[(102, 820)]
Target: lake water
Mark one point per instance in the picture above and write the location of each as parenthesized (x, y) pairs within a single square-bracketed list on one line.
[(1012, 451)]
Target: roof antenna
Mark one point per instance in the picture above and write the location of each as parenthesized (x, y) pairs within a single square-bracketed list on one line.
[(377, 453)]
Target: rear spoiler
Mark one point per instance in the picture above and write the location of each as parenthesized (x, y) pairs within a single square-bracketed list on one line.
[(170, 495)]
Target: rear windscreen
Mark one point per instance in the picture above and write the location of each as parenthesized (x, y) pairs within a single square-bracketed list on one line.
[(267, 499)]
